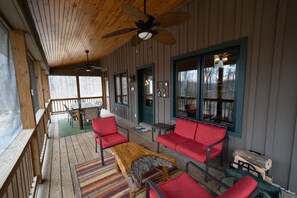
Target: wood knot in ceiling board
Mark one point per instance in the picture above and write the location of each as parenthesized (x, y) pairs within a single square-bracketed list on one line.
[(74, 5)]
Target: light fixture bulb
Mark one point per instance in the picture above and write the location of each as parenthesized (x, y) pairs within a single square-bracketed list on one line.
[(145, 35)]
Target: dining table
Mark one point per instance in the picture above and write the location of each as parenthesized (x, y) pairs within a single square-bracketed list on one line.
[(80, 106)]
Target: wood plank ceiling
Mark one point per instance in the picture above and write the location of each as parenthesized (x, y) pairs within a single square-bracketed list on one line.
[(68, 27)]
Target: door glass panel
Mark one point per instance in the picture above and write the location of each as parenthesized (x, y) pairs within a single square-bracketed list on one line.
[(148, 90), (186, 78), (219, 87)]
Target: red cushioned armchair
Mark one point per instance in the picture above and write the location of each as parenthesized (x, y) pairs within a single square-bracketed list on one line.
[(106, 134), (185, 186)]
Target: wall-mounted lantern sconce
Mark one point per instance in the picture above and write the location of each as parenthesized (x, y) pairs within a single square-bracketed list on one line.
[(163, 89), (132, 78)]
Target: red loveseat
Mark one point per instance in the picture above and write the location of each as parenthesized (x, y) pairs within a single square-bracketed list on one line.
[(185, 186), (199, 141)]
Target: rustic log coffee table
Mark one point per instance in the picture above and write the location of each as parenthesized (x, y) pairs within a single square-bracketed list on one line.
[(133, 161)]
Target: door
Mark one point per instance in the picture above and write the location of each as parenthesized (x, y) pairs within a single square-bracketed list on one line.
[(146, 95)]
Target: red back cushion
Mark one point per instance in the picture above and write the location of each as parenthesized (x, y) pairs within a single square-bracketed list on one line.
[(207, 134), (105, 126), (185, 128)]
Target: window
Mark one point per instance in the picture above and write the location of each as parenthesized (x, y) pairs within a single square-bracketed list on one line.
[(121, 88), (90, 86), (209, 86), (62, 87), (186, 87), (10, 115), (218, 87)]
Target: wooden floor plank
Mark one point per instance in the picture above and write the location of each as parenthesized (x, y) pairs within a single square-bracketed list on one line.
[(43, 189), (72, 162), (55, 187), (84, 148), (90, 145), (67, 184), (78, 152)]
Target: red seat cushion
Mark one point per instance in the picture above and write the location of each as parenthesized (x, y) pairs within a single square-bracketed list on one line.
[(181, 186), (241, 189), (111, 140), (185, 128), (207, 134), (196, 150), (105, 126), (171, 140)]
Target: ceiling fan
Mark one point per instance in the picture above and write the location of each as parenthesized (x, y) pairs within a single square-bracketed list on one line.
[(147, 25), (88, 67)]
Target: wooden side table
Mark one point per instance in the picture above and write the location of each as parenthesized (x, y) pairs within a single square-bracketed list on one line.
[(161, 127)]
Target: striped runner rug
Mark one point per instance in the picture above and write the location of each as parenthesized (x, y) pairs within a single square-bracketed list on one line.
[(98, 181)]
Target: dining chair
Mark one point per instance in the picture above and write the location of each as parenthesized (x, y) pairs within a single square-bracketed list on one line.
[(100, 104), (89, 115), (72, 115), (106, 134)]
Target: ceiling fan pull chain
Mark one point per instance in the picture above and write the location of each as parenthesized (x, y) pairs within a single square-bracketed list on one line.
[(144, 6)]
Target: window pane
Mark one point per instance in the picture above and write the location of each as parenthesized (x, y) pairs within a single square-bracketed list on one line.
[(10, 115), (90, 86), (63, 87), (118, 89), (124, 88), (186, 90), (219, 87), (33, 84)]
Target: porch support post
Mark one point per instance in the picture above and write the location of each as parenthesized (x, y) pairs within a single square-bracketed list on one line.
[(79, 121), (104, 93), (37, 68), (22, 71), (45, 86), (38, 78)]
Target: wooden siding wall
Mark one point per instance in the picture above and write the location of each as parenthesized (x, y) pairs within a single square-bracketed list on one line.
[(270, 102)]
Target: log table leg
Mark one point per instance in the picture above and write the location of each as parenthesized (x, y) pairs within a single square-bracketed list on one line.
[(117, 166), (79, 120), (165, 173)]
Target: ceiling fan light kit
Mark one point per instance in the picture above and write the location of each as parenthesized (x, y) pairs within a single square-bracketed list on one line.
[(147, 25), (145, 34)]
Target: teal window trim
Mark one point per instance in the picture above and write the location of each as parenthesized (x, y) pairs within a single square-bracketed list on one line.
[(241, 44), (121, 74)]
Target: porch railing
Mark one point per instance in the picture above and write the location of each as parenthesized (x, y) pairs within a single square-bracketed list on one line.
[(17, 178), (183, 100), (58, 104), (211, 107)]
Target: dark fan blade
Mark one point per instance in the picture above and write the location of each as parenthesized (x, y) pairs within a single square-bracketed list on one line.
[(135, 40), (95, 67), (134, 12), (118, 32), (81, 68), (172, 18), (164, 37)]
